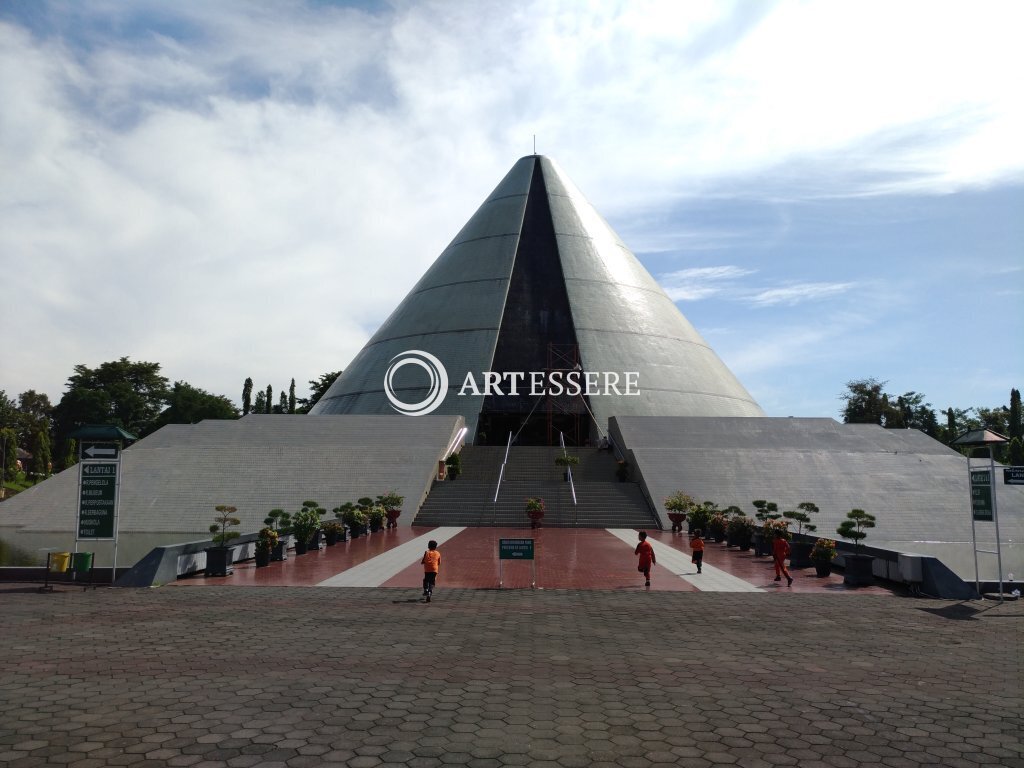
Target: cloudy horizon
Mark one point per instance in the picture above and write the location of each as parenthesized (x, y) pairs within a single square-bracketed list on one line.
[(829, 191)]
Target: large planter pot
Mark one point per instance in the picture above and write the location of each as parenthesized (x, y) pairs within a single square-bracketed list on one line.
[(393, 515), (219, 560), (677, 518), (263, 557), (375, 526), (535, 518), (356, 531), (857, 570), (314, 542), (822, 567), (800, 554), (280, 550), (718, 537), (331, 537), (762, 547), (301, 546)]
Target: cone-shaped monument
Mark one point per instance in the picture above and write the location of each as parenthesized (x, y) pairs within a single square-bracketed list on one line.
[(536, 320)]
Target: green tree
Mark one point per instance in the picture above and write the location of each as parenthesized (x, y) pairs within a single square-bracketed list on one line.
[(317, 389), (260, 406), (1014, 426), (189, 405), (8, 452), (864, 402), (282, 405), (247, 396), (126, 394), (291, 397), (1015, 452), (270, 399), (42, 461)]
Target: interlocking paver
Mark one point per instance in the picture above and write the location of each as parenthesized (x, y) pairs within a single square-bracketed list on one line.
[(260, 677)]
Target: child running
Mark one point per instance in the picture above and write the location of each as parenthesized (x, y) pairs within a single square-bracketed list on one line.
[(697, 547), (647, 559), (431, 565)]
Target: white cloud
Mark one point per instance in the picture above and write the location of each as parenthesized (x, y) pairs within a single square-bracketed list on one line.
[(250, 189)]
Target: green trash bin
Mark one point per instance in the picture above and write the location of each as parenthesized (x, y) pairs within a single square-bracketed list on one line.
[(59, 561), (82, 562)]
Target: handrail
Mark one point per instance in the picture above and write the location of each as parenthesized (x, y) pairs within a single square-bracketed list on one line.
[(501, 473), (572, 484)]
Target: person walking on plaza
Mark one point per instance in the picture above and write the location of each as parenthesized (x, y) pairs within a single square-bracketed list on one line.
[(647, 559), (431, 565), (697, 547), (780, 551)]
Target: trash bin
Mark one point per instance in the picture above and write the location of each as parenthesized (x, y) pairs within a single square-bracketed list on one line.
[(59, 561), (82, 562)]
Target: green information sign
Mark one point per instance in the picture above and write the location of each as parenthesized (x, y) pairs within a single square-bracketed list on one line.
[(515, 549), (97, 502), (981, 494)]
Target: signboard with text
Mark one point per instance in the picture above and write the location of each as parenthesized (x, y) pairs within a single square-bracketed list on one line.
[(1013, 475), (97, 501), (981, 494), (515, 549)]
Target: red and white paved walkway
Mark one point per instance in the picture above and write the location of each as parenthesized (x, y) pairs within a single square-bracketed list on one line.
[(585, 558)]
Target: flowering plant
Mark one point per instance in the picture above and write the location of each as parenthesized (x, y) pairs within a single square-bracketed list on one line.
[(266, 539), (824, 549), (680, 502), (534, 504), (775, 529), (718, 524)]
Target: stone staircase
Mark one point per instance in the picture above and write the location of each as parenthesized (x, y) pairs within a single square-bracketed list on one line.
[(601, 500)]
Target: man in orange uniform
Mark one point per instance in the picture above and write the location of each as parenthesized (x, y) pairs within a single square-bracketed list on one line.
[(431, 565), (780, 551), (646, 553)]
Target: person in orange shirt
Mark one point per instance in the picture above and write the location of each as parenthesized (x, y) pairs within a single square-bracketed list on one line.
[(780, 551), (431, 565), (697, 547), (647, 559)]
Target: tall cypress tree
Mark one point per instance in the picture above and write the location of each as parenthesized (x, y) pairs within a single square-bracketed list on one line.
[(270, 399), (291, 397), (1015, 416), (247, 396)]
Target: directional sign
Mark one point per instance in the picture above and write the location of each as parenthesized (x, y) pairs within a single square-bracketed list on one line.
[(981, 494), (515, 549), (1013, 475), (97, 500), (102, 451)]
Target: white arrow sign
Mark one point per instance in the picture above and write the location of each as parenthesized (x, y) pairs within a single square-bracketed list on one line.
[(94, 451)]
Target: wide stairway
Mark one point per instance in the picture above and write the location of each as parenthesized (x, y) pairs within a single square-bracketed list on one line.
[(602, 501)]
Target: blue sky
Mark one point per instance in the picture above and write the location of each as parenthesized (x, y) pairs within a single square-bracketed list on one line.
[(829, 190)]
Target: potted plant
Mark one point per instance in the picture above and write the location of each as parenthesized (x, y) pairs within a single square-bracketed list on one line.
[(857, 567), (454, 466), (800, 551), (375, 516), (766, 510), (566, 461), (741, 531), (622, 470), (822, 554), (280, 521), (700, 516), (266, 540), (535, 511), (729, 513), (679, 505), (220, 556), (333, 532), (717, 526), (354, 518), (392, 504), (305, 524)]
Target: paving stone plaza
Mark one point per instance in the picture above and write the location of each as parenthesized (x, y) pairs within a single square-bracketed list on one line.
[(289, 676)]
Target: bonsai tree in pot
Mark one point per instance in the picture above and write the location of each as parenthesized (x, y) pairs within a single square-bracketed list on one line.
[(375, 516), (766, 510), (800, 551), (729, 513), (565, 461), (535, 511), (822, 554), (266, 540), (717, 526), (699, 518), (220, 556), (679, 505), (305, 525), (857, 567), (392, 504), (280, 522)]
